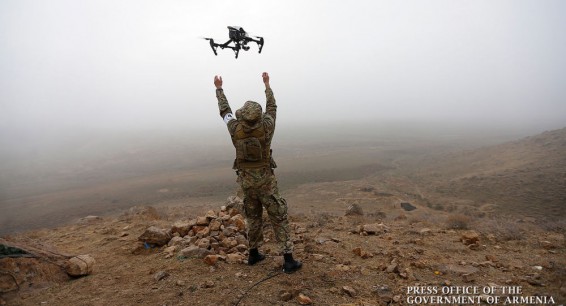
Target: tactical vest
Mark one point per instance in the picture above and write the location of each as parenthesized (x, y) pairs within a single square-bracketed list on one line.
[(252, 148)]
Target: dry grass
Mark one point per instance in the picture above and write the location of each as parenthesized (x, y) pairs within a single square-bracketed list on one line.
[(458, 221), (503, 229)]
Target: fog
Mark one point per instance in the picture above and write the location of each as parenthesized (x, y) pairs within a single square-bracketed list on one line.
[(141, 64), (92, 86)]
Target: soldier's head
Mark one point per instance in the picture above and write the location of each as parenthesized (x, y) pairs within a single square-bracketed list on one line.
[(250, 114)]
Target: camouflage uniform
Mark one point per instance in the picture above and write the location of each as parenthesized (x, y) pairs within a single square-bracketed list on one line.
[(255, 175)]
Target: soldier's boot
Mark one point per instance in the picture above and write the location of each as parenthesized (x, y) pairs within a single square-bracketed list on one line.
[(255, 257), (290, 264)]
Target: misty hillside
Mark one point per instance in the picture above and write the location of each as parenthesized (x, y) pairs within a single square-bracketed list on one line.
[(524, 176)]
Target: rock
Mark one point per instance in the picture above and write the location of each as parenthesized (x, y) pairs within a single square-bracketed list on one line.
[(239, 222), (154, 235), (208, 284), (375, 229), (470, 237), (285, 296), (349, 291), (203, 221), (538, 268), (180, 283), (363, 254), (210, 215), (303, 299), (160, 275), (203, 232), (234, 258), (203, 243), (175, 241), (241, 239), (354, 210), (229, 242), (407, 206), (300, 230), (491, 258), (211, 259), (392, 268), (170, 250), (194, 251), (425, 231), (80, 265), (384, 293), (215, 225), (182, 227)]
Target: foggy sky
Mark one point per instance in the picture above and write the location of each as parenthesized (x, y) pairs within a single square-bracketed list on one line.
[(141, 64)]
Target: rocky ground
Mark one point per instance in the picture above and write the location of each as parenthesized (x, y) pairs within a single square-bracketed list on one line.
[(401, 256)]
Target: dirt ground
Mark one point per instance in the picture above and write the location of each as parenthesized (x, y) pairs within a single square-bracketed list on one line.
[(485, 219)]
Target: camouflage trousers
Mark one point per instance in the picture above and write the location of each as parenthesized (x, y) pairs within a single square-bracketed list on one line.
[(260, 191)]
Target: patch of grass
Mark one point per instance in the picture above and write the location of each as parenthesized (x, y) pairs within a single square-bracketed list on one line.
[(458, 221), (503, 229)]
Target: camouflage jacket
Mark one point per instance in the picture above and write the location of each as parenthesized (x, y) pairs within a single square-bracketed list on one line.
[(268, 119)]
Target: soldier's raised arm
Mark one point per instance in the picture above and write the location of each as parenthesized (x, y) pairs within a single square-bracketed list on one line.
[(223, 105), (270, 106)]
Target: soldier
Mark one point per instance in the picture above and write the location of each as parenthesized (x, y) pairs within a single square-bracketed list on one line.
[(251, 132)]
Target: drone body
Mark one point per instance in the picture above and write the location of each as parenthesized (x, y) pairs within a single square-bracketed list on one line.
[(240, 39)]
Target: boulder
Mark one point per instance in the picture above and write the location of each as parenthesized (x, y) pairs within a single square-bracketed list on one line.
[(155, 235), (80, 265)]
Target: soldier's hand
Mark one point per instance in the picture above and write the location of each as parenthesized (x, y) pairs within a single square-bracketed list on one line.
[(218, 81), (265, 77)]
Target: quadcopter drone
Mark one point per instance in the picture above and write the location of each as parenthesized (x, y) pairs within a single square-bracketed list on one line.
[(240, 39)]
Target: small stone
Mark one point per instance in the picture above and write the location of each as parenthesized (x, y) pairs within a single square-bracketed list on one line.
[(470, 237), (375, 229), (194, 251), (349, 291), (215, 225), (396, 298), (354, 210), (203, 243), (211, 259), (392, 268), (303, 299), (80, 265), (234, 258), (208, 284), (175, 241), (384, 293), (210, 215), (425, 231), (202, 221), (300, 230), (539, 268), (160, 275), (180, 283), (285, 296), (182, 227)]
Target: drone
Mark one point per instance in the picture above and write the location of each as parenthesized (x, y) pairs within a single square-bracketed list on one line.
[(240, 39)]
